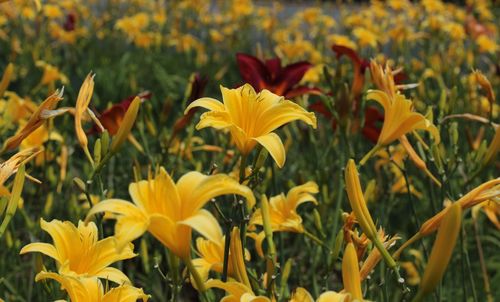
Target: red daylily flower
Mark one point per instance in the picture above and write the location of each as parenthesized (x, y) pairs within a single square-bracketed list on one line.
[(112, 118), (360, 66), (272, 76)]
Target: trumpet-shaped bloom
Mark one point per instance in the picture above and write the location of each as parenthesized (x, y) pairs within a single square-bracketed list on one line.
[(252, 117), (399, 118), (283, 211), (169, 210), (78, 252), (92, 290)]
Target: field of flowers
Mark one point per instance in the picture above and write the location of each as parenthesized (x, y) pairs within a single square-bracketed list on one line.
[(249, 151)]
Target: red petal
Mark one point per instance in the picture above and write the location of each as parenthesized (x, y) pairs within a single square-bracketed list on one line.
[(274, 67), (291, 75), (253, 71)]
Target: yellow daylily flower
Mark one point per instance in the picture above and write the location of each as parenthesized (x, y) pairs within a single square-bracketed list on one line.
[(237, 292), (51, 74), (35, 121), (252, 117), (399, 119), (78, 252), (169, 210), (92, 290), (211, 251), (283, 212)]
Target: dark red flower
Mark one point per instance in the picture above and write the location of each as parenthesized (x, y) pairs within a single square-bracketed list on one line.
[(272, 76), (69, 24), (345, 105), (112, 118)]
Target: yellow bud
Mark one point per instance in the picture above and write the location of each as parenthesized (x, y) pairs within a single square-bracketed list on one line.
[(126, 126), (80, 184), (441, 251), (350, 272), (357, 200), (236, 257), (4, 83)]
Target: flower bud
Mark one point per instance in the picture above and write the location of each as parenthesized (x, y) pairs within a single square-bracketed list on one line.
[(126, 126)]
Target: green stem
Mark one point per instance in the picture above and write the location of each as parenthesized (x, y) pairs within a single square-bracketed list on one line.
[(316, 239), (196, 276), (370, 154), (227, 241), (408, 242)]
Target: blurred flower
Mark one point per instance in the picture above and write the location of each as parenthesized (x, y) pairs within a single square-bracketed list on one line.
[(365, 37), (51, 74), (486, 44), (78, 252), (270, 75), (169, 210), (35, 121), (252, 117), (92, 290)]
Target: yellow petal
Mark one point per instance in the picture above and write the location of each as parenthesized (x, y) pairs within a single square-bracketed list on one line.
[(301, 295), (207, 103), (113, 274), (282, 113), (205, 223), (209, 187), (331, 296), (214, 119), (273, 144), (44, 248), (125, 293), (235, 289)]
